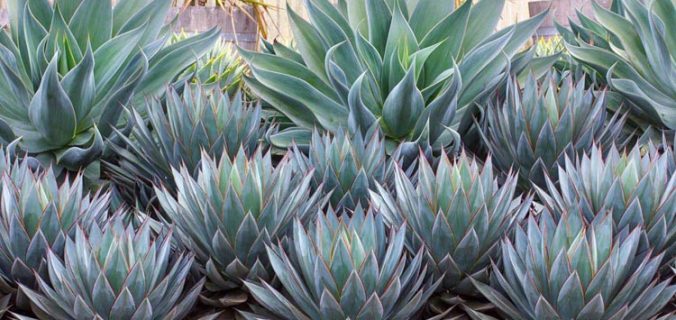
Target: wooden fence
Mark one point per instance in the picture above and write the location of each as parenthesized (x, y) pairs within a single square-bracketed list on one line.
[(236, 26)]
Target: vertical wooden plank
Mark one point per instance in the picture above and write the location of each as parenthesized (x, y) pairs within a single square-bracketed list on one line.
[(514, 11), (562, 12), (4, 19), (236, 26), (279, 26)]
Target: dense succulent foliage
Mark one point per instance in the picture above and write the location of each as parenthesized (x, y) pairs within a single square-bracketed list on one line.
[(457, 214), (68, 69), (633, 47), (181, 127), (638, 189), (345, 268), (346, 167), (116, 272), (363, 199), (38, 214), (407, 66), (572, 269), (534, 130), (220, 68), (547, 46), (230, 212)]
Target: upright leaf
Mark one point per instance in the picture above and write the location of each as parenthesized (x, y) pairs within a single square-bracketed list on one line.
[(402, 105), (92, 23), (51, 111)]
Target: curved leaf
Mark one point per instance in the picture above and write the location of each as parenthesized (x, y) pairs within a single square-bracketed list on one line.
[(80, 86), (168, 62), (112, 55), (360, 118), (74, 158), (330, 114), (92, 23), (51, 111), (403, 106)]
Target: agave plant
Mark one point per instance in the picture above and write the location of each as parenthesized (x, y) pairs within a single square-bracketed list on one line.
[(116, 272), (219, 68), (230, 212), (572, 269), (408, 66), (345, 268), (178, 131), (536, 130), (457, 214), (549, 46), (68, 69), (637, 189), (632, 48), (38, 215), (345, 166)]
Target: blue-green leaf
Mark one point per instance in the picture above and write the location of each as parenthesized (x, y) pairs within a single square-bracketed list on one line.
[(80, 86), (403, 106), (92, 23), (51, 111)]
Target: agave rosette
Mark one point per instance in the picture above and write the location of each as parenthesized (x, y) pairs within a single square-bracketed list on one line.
[(346, 166), (534, 130), (39, 215), (230, 211), (116, 272), (345, 268), (407, 66), (220, 68), (69, 68), (571, 269), (638, 189), (178, 130), (457, 214), (632, 47)]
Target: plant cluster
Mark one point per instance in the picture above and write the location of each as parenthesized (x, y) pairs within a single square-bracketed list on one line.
[(414, 69), (403, 160), (631, 49), (68, 70)]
